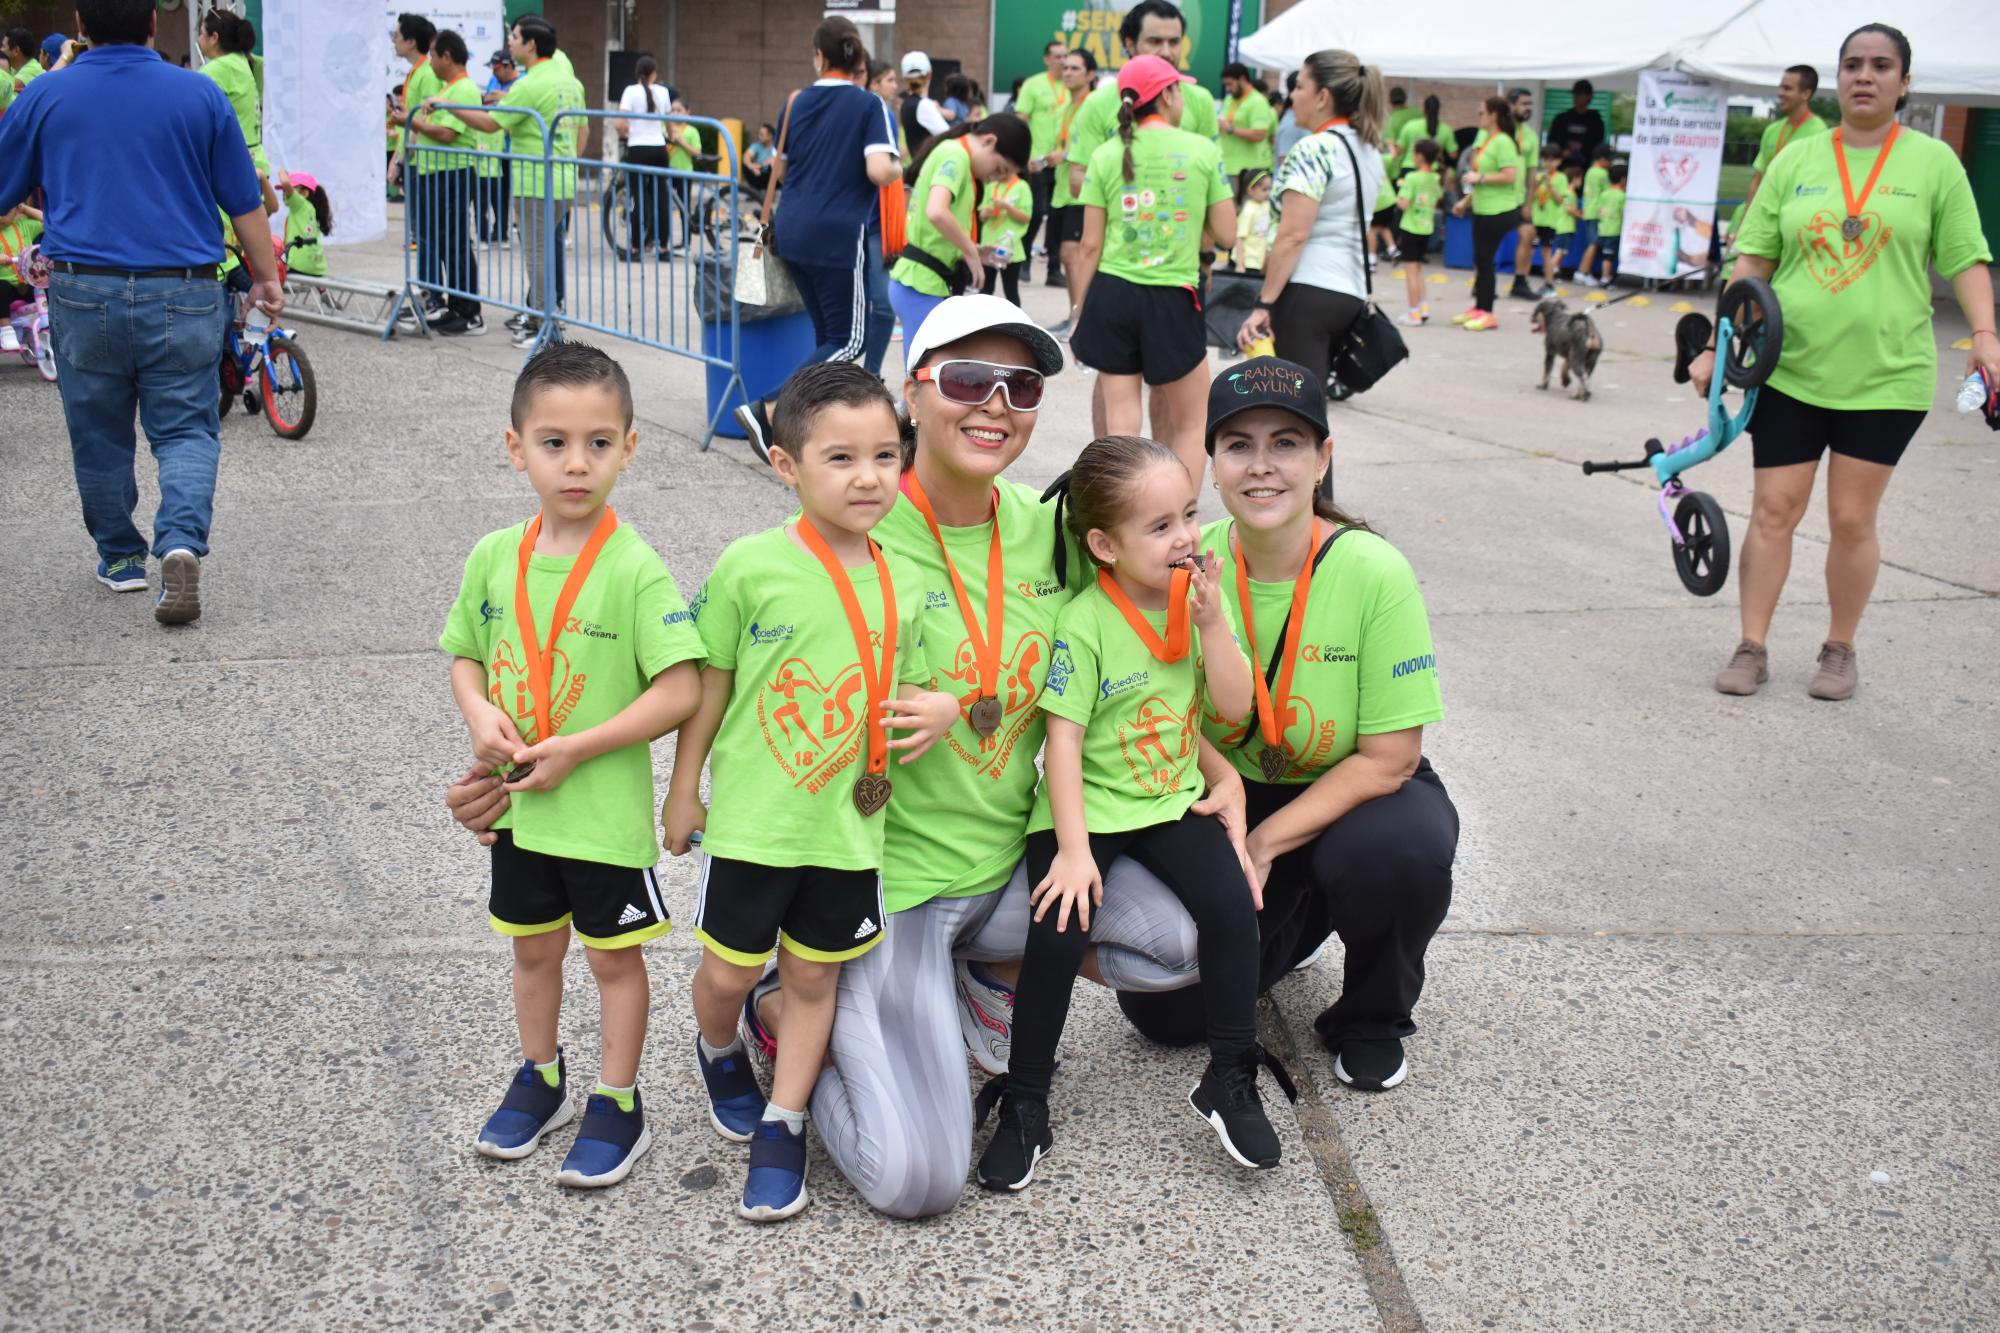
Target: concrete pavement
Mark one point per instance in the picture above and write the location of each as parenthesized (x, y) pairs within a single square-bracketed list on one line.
[(1708, 1035)]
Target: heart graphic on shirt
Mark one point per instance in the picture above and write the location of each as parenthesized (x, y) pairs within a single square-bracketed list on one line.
[(1307, 740), (813, 728), (1157, 740), (1835, 261), (1019, 685), (1675, 172), (507, 687)]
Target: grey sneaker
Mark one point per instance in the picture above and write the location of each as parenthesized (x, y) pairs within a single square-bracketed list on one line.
[(1749, 666), (179, 602), (1837, 675)]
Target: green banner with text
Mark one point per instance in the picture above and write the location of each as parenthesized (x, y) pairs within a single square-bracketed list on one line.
[(1022, 28)]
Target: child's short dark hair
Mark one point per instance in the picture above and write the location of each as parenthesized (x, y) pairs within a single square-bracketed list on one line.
[(1552, 152), (1618, 173), (1602, 153), (811, 390), (570, 365), (1102, 478), (1427, 149)]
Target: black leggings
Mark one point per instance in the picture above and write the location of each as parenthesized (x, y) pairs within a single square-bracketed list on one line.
[(652, 218), (1306, 322), (1379, 877), (1010, 274), (1191, 856), (1488, 231)]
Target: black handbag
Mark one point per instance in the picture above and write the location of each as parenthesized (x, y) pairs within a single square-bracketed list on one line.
[(1371, 347)]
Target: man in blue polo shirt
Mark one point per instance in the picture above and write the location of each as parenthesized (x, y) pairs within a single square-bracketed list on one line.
[(138, 315)]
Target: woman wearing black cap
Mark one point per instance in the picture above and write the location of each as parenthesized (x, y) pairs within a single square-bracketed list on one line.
[(1350, 827)]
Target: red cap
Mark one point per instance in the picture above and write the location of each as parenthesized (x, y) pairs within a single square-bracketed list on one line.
[(1148, 77)]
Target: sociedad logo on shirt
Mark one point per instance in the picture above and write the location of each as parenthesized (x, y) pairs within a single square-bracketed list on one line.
[(768, 634), (489, 613)]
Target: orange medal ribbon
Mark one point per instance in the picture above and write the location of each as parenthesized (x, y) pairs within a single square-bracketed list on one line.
[(1274, 711), (1791, 127), (871, 789), (542, 658), (1337, 120), (986, 711), (1175, 646), (1852, 228)]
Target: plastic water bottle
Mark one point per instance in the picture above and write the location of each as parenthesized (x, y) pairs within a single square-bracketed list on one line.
[(256, 324), (1972, 394)]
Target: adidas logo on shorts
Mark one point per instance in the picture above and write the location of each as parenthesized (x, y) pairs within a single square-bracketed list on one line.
[(868, 927), (631, 916)]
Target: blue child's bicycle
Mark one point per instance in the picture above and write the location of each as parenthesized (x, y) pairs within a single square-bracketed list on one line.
[(1749, 335), (264, 368)]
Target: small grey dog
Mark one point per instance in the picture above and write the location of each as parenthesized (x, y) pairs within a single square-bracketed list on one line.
[(1573, 337)]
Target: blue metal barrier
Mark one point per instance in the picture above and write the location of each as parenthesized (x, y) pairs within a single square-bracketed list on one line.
[(598, 248)]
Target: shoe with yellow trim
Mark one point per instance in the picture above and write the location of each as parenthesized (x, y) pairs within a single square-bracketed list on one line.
[(532, 1109), (613, 1137)]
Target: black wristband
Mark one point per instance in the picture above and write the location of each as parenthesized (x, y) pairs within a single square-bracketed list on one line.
[(1264, 305)]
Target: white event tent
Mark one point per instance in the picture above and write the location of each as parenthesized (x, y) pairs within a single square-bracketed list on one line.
[(1955, 43)]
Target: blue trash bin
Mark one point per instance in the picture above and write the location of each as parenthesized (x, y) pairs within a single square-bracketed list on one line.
[(772, 350), (1458, 246)]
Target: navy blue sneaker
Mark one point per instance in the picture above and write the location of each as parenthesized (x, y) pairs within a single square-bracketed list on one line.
[(735, 1103), (530, 1110), (126, 575), (610, 1141), (776, 1188)]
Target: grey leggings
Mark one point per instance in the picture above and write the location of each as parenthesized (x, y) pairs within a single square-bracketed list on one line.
[(895, 1106)]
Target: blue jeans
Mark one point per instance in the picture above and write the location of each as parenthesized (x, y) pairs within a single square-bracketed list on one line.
[(150, 345), (881, 316)]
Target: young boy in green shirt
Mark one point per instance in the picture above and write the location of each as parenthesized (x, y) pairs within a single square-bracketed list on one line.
[(1418, 195), (573, 653), (811, 633), (1553, 211), (1610, 226), (1595, 182)]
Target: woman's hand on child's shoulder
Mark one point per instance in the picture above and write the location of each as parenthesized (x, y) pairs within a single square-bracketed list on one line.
[(1071, 884), (926, 714)]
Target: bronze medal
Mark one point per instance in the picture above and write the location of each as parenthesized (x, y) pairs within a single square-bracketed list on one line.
[(1851, 228), (1274, 763), (871, 793), (986, 715)]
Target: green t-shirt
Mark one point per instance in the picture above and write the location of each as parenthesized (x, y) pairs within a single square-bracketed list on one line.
[(1611, 212), (1493, 153), (28, 73), (1530, 144), (627, 625), (489, 141), (683, 145), (303, 252), (950, 166), (1420, 192), (233, 75), (1366, 664), (1141, 717), (1780, 135), (1097, 121), (781, 773), (1000, 229), (1153, 222), (1596, 180), (1043, 98), (1398, 157), (423, 81), (958, 823), (432, 155), (1413, 130), (1252, 111), (548, 89), (1858, 329), (1067, 121), (15, 237), (1551, 193)]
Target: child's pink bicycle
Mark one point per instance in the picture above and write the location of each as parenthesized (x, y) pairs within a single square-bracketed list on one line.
[(30, 319)]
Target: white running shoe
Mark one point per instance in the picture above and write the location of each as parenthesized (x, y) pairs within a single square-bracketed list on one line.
[(10, 341), (986, 1018)]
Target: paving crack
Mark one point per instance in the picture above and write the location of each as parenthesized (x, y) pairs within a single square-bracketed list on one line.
[(1366, 1237)]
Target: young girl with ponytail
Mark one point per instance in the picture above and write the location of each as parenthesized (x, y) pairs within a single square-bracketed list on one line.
[(1149, 197), (941, 238)]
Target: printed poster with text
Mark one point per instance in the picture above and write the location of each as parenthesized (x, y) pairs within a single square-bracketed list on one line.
[(1023, 27), (1674, 175)]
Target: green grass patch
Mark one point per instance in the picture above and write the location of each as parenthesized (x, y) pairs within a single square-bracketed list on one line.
[(1361, 1226)]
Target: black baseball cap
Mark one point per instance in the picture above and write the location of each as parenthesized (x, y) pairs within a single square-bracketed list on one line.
[(500, 58), (1266, 381)]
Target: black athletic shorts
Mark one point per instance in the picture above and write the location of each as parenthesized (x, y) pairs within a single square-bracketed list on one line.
[(609, 907), (1784, 431), (1385, 218), (1127, 328), (828, 916), (1411, 246), (1546, 237), (1068, 222)]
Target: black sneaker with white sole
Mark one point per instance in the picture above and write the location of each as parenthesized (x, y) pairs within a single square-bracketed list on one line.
[(1021, 1138), (1371, 1065), (516, 322), (756, 423), (1227, 1099)]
